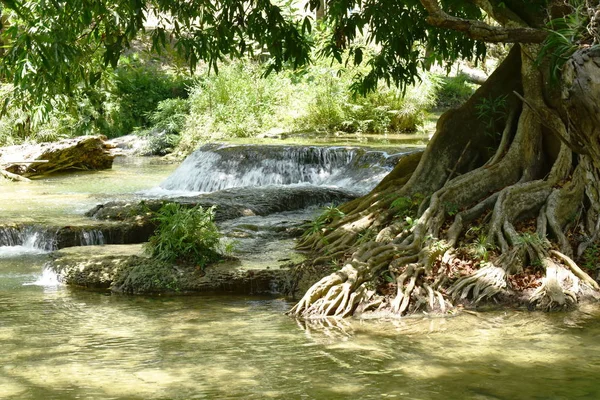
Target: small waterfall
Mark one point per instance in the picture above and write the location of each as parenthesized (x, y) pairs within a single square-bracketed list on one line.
[(29, 240), (92, 237), (217, 167)]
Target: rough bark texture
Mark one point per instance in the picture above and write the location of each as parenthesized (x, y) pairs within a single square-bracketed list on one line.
[(498, 207)]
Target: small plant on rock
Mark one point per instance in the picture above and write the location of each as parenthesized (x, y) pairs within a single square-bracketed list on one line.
[(187, 235)]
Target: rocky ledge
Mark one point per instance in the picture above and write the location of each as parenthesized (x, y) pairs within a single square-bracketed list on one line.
[(230, 203), (127, 269)]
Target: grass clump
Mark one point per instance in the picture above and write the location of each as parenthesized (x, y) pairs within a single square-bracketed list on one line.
[(185, 235), (453, 91)]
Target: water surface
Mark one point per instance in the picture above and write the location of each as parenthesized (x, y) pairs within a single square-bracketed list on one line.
[(59, 343), (62, 343)]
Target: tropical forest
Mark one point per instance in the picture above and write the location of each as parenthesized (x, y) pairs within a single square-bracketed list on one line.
[(299, 199)]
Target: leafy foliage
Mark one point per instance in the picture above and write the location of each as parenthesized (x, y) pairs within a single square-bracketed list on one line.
[(407, 206), (185, 234), (567, 33), (329, 214), (492, 111), (55, 49), (138, 90), (591, 257), (58, 50), (453, 91)]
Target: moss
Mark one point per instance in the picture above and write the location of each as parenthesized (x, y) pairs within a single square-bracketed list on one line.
[(147, 276)]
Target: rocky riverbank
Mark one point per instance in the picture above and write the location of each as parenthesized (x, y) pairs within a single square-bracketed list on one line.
[(127, 269)]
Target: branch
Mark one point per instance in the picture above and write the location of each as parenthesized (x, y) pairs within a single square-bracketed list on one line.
[(503, 15), (479, 30)]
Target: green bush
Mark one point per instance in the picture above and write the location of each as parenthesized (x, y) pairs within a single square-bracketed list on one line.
[(128, 98), (138, 89), (187, 235), (454, 91), (168, 120), (238, 102), (331, 105)]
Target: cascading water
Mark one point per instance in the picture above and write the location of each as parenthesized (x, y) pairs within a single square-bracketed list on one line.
[(35, 240), (15, 241), (92, 237), (216, 167)]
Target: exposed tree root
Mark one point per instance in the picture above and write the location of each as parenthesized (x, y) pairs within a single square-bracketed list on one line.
[(524, 201)]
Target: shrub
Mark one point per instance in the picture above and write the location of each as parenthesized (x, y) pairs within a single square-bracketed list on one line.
[(137, 91), (187, 235), (453, 91), (168, 120)]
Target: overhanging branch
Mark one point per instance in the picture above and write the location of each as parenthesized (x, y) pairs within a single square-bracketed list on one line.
[(479, 30)]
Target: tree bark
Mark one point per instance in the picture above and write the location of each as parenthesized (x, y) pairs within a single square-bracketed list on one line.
[(512, 176)]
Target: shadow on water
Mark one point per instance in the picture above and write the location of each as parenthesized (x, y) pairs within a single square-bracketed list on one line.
[(65, 344)]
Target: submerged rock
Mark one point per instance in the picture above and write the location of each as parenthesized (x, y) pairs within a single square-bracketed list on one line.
[(127, 269), (81, 153)]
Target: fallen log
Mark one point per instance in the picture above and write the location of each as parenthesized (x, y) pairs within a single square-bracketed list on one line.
[(13, 177), (81, 153)]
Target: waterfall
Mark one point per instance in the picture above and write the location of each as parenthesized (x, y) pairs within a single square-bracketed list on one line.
[(217, 167), (92, 237), (39, 239), (29, 240)]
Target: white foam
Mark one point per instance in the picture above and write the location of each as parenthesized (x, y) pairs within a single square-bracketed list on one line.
[(48, 278)]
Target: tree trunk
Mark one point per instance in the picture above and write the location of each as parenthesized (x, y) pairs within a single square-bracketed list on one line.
[(488, 212), (320, 12)]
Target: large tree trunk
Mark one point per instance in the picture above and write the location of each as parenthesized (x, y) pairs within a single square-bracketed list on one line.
[(491, 210)]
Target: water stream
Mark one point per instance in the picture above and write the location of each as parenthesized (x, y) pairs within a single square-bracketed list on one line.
[(63, 343)]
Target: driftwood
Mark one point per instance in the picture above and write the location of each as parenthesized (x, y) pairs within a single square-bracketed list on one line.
[(13, 177), (81, 153)]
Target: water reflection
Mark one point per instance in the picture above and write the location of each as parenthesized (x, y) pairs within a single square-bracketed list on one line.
[(66, 344)]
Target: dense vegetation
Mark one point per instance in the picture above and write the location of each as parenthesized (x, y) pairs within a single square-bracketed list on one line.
[(185, 235), (512, 175), (174, 108)]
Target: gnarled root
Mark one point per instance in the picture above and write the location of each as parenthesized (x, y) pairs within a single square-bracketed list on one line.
[(563, 284), (485, 283), (337, 295)]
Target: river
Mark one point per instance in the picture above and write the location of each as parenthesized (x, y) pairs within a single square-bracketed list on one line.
[(63, 343)]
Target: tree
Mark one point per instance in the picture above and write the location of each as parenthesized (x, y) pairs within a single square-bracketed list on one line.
[(518, 162), (58, 49)]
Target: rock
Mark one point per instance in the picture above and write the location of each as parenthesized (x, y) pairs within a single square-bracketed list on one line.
[(230, 203), (129, 145), (51, 237), (81, 153), (126, 269)]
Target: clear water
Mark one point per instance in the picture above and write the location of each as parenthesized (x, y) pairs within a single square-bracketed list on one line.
[(61, 343), (66, 197)]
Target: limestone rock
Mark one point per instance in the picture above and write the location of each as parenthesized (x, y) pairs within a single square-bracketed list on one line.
[(126, 269)]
